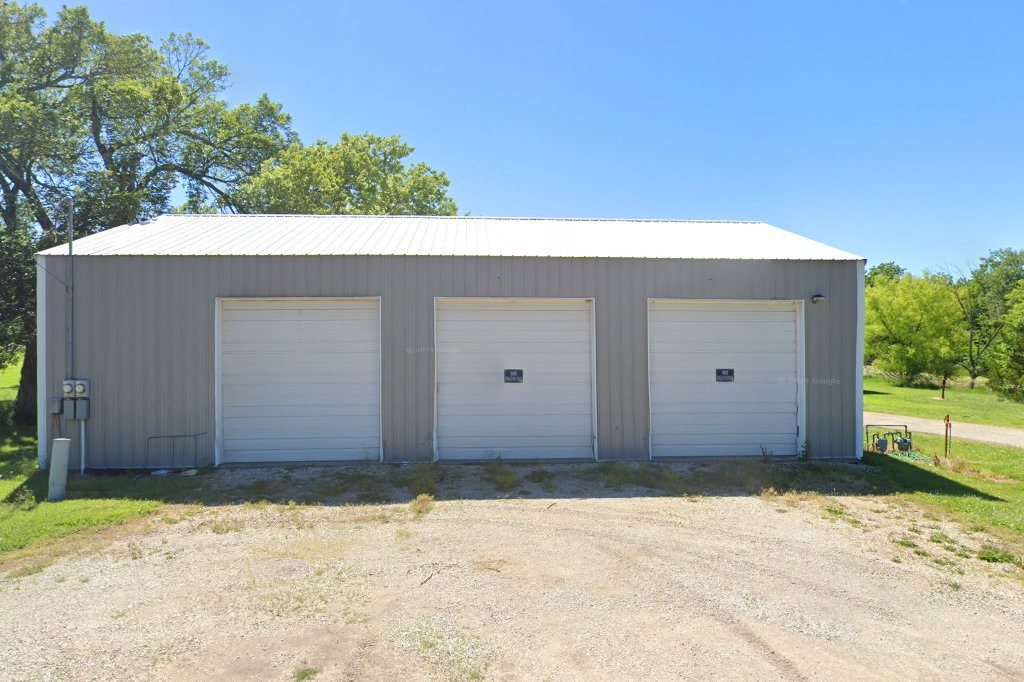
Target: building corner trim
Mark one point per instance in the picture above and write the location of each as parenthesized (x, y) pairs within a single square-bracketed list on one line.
[(858, 380), (42, 411)]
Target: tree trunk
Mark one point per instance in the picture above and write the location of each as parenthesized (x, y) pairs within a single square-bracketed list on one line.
[(25, 403)]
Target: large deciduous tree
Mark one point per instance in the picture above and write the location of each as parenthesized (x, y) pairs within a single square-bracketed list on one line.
[(883, 271), (1006, 371), (117, 123), (361, 174), (981, 297), (911, 327)]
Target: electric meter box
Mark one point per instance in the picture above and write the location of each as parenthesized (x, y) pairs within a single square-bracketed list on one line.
[(75, 388), (75, 399), (82, 409)]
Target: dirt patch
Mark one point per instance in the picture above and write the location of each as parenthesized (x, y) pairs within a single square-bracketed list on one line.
[(592, 583)]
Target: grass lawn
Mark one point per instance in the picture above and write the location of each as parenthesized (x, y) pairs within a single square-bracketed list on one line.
[(9, 378), (970, 405), (24, 518), (992, 478)]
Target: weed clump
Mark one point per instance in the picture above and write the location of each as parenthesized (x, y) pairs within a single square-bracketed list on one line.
[(647, 475), (501, 475), (423, 504), (423, 480), (224, 526), (542, 477), (994, 555)]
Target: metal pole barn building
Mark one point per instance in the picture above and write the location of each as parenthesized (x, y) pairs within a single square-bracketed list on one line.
[(222, 339)]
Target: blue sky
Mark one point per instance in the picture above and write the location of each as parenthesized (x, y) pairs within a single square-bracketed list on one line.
[(893, 129)]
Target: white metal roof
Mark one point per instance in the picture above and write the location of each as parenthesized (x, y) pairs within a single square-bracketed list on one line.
[(299, 235)]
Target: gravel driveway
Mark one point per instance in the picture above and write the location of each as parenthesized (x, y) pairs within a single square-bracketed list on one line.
[(584, 584)]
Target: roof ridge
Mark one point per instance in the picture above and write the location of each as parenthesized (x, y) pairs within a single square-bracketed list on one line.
[(459, 217), (377, 235)]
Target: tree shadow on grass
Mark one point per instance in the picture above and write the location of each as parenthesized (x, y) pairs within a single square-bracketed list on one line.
[(383, 484)]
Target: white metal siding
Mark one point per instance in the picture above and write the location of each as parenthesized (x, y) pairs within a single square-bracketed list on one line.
[(692, 413), (300, 380), (550, 414)]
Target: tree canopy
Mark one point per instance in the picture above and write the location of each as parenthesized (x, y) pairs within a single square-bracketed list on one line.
[(883, 271), (942, 324), (360, 174), (910, 327), (125, 125)]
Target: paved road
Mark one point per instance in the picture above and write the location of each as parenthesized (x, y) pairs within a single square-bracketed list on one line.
[(1001, 435)]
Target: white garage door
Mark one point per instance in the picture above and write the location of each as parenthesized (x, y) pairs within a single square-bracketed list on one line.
[(514, 379), (300, 380), (724, 378)]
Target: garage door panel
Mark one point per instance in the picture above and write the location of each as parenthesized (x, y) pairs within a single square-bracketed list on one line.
[(694, 414), (336, 345), (481, 308), (485, 367), (686, 331), (508, 452), (447, 349), (475, 336), (666, 429), (300, 380), (554, 437), (727, 345), (299, 330), (480, 416), (728, 407), (278, 380), (264, 314), (721, 317), (688, 393), (752, 422), (543, 424), (325, 409), (699, 375), (512, 322), (356, 356), (326, 443), (748, 361), (334, 426), (303, 304), (293, 453), (269, 394), (499, 409), (748, 449), (540, 382)]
